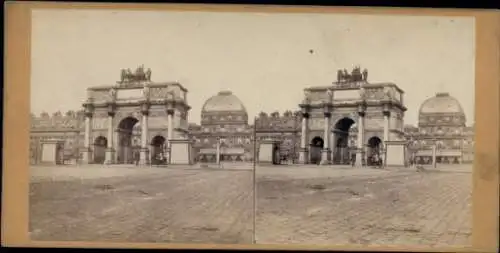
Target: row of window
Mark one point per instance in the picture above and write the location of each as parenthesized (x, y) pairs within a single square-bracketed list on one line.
[(223, 117)]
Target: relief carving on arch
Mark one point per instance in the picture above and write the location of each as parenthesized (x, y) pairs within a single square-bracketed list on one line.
[(316, 123), (157, 92), (100, 114), (374, 93)]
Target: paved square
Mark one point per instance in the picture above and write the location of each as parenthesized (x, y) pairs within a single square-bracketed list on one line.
[(141, 204), (295, 204), (319, 205)]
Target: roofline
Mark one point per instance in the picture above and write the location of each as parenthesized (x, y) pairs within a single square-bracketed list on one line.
[(151, 84)]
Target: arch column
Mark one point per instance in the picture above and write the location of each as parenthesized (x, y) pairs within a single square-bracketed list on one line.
[(116, 143), (144, 154), (387, 114), (360, 152), (86, 151), (170, 130), (325, 153), (303, 151), (110, 152)]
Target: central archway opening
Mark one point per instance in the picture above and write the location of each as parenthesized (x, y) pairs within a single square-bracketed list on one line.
[(341, 152), (374, 151), (100, 144), (317, 144), (158, 146), (128, 147)]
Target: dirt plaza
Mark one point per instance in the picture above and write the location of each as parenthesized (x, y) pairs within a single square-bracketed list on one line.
[(365, 206), (295, 204), (141, 204)]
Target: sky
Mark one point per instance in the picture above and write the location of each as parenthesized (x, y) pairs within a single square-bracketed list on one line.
[(265, 59)]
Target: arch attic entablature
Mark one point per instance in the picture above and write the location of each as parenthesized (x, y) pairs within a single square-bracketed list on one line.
[(153, 93)]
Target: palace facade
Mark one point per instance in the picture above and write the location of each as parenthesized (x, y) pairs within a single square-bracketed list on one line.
[(350, 119)]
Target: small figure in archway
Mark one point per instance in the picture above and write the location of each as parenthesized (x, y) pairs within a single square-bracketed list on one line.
[(353, 160), (137, 157)]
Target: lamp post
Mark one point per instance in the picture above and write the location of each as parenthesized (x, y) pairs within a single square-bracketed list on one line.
[(434, 151), (217, 158), (384, 153), (413, 151)]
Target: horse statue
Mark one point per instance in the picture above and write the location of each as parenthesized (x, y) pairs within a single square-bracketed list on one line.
[(346, 75), (148, 74), (138, 75), (356, 74), (340, 76)]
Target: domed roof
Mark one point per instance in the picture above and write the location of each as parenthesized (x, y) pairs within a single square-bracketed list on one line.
[(224, 101), (441, 103)]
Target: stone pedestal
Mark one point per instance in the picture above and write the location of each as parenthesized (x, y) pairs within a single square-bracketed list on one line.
[(268, 152), (303, 156), (86, 156), (325, 157), (360, 158), (181, 152), (144, 156), (51, 152), (110, 156), (395, 153)]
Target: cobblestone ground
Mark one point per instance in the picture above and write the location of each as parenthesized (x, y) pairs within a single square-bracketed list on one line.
[(364, 206), (141, 204)]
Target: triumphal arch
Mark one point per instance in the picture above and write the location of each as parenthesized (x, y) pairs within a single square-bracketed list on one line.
[(353, 119), (134, 119)]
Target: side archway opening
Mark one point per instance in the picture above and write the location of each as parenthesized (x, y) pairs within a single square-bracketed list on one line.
[(158, 145), (317, 144), (374, 151), (100, 144)]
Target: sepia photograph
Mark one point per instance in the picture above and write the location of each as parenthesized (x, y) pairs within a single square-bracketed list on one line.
[(251, 127)]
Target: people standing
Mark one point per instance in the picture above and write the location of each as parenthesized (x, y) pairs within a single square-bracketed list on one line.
[(136, 158)]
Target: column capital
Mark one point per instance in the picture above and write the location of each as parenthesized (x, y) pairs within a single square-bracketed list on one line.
[(170, 111), (111, 109), (170, 104), (305, 115), (88, 109), (304, 106), (145, 108), (361, 108), (327, 114), (386, 113), (386, 104), (327, 107)]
